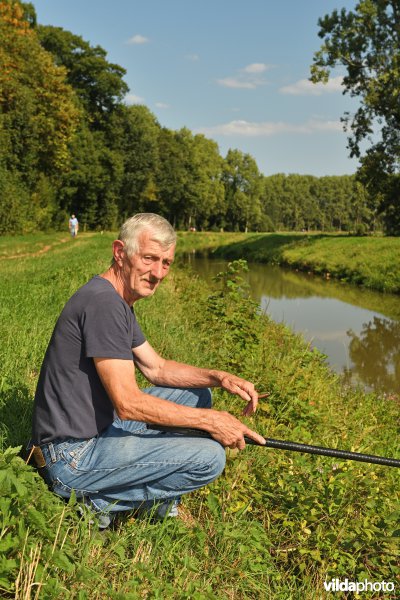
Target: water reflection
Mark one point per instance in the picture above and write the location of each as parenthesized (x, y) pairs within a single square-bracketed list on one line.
[(358, 330), (380, 339)]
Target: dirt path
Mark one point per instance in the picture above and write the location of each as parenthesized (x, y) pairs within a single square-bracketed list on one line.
[(38, 252)]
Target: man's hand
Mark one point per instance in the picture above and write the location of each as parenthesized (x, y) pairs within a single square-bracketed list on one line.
[(241, 387), (230, 432)]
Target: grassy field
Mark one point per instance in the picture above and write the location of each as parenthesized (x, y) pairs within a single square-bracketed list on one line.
[(372, 262), (276, 525)]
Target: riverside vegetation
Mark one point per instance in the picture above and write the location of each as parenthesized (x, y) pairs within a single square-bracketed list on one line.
[(371, 262), (275, 525)]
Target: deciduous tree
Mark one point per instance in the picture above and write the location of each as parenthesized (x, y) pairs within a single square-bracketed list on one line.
[(135, 134), (365, 42), (243, 187), (98, 83), (38, 111)]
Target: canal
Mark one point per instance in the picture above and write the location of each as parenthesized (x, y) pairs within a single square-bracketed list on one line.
[(358, 330)]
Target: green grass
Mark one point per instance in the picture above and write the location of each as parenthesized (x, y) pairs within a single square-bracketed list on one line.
[(274, 526)]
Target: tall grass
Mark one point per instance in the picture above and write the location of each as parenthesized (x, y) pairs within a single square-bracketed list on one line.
[(275, 525)]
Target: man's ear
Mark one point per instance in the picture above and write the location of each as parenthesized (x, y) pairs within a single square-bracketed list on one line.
[(118, 252)]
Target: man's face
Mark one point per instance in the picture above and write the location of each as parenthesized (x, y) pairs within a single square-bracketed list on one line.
[(143, 271)]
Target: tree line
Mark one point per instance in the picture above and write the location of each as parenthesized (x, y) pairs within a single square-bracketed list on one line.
[(69, 143)]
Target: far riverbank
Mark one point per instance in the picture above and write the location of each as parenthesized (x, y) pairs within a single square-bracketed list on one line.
[(371, 262)]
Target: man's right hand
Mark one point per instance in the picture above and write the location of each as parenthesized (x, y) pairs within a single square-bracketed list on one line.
[(230, 432)]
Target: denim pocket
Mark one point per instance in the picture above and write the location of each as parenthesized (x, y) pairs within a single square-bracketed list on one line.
[(75, 451)]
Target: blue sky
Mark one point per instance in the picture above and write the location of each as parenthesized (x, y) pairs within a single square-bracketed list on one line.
[(235, 70)]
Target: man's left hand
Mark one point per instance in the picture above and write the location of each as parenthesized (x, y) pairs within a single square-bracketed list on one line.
[(244, 389)]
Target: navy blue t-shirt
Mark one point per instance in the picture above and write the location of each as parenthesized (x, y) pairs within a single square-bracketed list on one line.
[(70, 399)]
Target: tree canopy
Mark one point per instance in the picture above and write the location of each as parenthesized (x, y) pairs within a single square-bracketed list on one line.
[(97, 82), (365, 42), (70, 143)]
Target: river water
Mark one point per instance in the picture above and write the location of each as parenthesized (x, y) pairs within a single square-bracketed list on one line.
[(357, 330)]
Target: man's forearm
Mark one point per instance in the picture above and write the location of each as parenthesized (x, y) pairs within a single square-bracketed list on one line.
[(222, 426), (162, 372), (174, 374)]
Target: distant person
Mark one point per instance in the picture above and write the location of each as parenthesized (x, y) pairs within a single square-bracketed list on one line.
[(73, 226), (90, 422)]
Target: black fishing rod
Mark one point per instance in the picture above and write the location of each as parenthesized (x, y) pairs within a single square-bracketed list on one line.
[(292, 446)]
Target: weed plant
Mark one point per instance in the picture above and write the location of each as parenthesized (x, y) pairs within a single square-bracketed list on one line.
[(275, 525)]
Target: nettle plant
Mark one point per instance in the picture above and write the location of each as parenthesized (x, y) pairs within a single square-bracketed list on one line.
[(34, 543), (234, 315)]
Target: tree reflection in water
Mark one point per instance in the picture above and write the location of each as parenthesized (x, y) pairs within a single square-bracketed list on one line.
[(375, 354)]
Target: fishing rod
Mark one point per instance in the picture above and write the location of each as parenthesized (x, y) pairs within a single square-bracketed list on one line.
[(293, 446)]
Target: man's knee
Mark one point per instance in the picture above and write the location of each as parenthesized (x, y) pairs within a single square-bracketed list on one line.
[(205, 398), (210, 462), (194, 397), (220, 460)]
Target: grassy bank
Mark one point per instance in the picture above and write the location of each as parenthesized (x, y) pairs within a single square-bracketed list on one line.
[(372, 262), (275, 525)]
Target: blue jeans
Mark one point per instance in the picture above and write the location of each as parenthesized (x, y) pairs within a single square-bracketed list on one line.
[(129, 466)]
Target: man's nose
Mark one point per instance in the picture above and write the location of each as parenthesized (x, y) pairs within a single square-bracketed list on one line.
[(157, 270)]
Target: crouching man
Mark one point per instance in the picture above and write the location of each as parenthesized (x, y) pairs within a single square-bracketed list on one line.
[(90, 422)]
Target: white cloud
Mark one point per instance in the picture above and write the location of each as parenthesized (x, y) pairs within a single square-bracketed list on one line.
[(304, 87), (162, 105), (234, 82), (133, 99), (256, 68), (320, 125), (138, 39), (192, 57), (246, 78), (270, 128)]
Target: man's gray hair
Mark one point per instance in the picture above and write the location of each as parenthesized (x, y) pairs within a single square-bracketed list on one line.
[(160, 229)]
